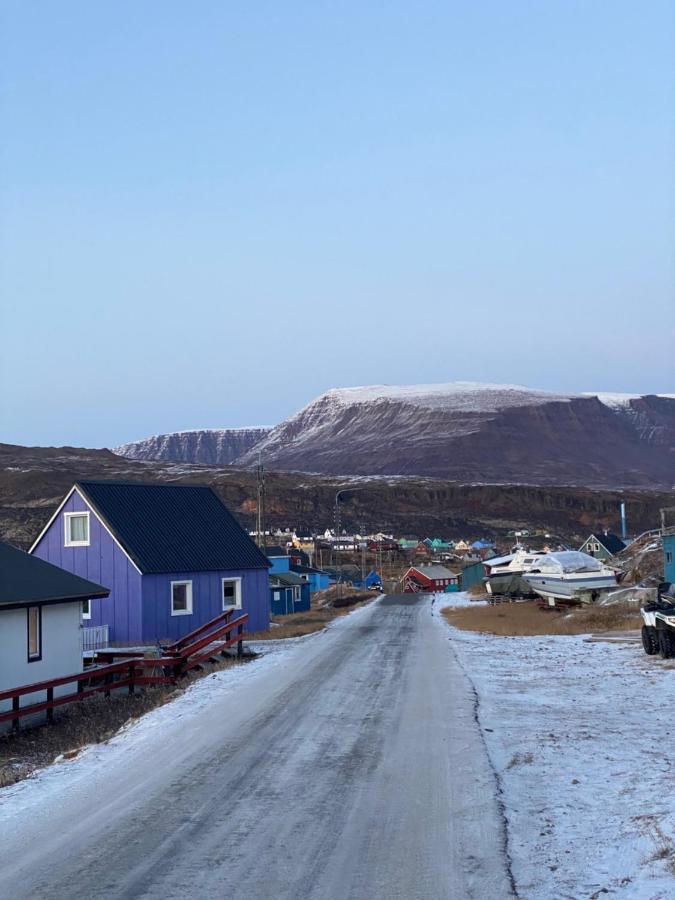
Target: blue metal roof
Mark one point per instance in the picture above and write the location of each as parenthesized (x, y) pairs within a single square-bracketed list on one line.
[(173, 527)]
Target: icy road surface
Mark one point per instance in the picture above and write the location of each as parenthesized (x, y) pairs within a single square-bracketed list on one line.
[(349, 765)]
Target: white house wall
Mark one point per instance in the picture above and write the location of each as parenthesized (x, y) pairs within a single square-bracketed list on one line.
[(61, 652)]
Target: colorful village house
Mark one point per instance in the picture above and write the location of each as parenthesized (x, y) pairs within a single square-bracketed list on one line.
[(602, 546), (172, 556), (430, 579), (289, 593), (295, 562)]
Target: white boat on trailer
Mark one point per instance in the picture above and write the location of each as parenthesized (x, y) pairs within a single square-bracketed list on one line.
[(504, 575), (570, 577)]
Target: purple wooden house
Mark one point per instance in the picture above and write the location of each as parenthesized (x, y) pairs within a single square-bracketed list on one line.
[(172, 556)]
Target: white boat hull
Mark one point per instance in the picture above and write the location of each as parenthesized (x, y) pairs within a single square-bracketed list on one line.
[(558, 587)]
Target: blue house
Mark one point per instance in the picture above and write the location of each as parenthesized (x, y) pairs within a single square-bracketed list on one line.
[(289, 589), (318, 579), (669, 557), (482, 545), (291, 562), (289, 593), (373, 581), (172, 556)]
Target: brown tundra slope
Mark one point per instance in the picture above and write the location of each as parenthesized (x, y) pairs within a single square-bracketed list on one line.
[(34, 479)]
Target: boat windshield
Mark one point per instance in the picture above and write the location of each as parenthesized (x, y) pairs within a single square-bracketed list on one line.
[(567, 562)]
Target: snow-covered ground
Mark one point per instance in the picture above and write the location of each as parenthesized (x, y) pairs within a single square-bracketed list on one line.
[(580, 739)]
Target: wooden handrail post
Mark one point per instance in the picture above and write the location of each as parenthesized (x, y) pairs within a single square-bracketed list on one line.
[(132, 677), (15, 707), (240, 643), (50, 699)]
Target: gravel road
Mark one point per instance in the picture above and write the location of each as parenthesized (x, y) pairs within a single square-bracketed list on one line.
[(352, 769)]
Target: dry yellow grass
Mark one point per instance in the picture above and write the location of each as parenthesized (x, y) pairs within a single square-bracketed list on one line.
[(527, 619)]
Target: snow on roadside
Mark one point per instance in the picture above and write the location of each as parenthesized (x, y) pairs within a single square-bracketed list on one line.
[(461, 598), (580, 741), (61, 776)]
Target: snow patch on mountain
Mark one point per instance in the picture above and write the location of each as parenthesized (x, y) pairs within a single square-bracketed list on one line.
[(469, 396), (215, 431), (619, 401)]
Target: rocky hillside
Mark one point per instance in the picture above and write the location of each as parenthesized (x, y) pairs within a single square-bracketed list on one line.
[(34, 479), (211, 446), (480, 433)]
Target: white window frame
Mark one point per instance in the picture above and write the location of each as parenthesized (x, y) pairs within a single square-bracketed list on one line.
[(37, 656), (237, 593), (67, 542), (182, 612), (86, 609)]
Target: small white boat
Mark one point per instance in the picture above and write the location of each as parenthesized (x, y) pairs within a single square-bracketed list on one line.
[(504, 574), (570, 576)]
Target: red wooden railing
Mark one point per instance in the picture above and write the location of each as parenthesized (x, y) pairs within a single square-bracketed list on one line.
[(178, 658), (190, 637)]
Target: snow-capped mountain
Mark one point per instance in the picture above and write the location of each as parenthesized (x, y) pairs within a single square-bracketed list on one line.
[(462, 431), (480, 433), (212, 446)]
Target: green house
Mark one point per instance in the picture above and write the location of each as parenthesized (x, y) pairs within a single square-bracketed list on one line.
[(602, 546)]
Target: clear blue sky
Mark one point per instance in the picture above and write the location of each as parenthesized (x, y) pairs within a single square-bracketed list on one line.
[(211, 212)]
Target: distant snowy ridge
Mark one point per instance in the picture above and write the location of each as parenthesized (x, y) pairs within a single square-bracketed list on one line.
[(469, 396), (209, 446), (462, 396), (214, 430), (621, 400)]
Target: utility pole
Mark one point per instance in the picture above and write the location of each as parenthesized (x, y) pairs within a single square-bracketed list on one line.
[(260, 525), (335, 544)]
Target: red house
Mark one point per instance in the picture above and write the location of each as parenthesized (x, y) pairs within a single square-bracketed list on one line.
[(429, 580), (383, 545)]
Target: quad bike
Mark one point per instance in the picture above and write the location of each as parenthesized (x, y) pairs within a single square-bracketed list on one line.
[(658, 631)]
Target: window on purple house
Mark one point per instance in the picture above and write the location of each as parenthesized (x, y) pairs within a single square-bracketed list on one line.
[(231, 593), (181, 598), (76, 528)]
